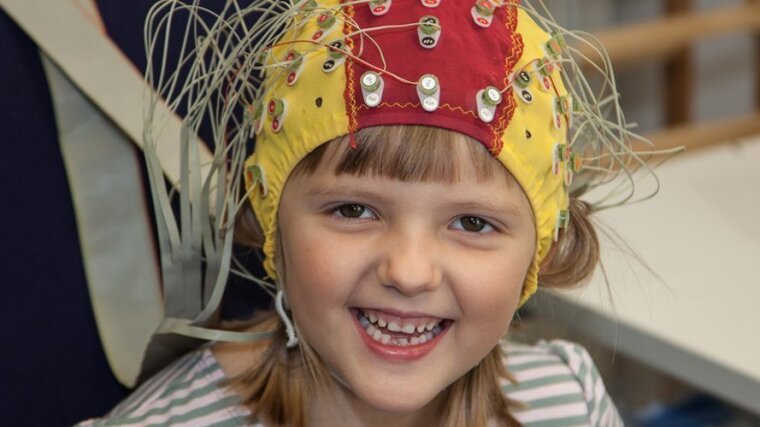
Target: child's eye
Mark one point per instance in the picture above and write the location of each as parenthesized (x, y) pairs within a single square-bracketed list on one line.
[(353, 210), (472, 224)]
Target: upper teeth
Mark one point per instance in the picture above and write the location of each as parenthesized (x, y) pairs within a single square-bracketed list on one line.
[(408, 329), (407, 326)]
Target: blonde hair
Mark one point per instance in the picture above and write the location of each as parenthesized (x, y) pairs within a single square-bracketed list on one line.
[(278, 386)]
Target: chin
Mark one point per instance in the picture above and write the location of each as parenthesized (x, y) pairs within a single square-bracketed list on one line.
[(397, 400)]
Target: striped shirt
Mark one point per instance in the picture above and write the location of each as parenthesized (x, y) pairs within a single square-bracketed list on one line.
[(557, 384)]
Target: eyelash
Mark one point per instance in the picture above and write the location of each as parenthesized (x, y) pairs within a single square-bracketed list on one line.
[(457, 224)]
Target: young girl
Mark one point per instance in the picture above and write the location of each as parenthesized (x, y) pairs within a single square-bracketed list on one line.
[(415, 178)]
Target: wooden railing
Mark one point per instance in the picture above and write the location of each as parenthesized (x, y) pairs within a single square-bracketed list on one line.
[(668, 40)]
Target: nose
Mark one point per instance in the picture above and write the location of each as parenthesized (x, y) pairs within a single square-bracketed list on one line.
[(410, 264)]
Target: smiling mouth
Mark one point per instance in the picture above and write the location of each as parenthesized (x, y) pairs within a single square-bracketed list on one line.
[(394, 331)]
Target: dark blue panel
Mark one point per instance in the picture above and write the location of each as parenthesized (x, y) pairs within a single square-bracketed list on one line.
[(53, 369)]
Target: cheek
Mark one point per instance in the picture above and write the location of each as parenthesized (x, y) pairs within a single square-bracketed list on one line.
[(493, 299), (490, 294), (307, 270), (307, 282), (310, 251), (316, 275)]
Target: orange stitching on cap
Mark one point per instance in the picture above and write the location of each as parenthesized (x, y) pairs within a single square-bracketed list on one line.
[(517, 42), (349, 92), (504, 120), (509, 63), (458, 108), (406, 105), (391, 105)]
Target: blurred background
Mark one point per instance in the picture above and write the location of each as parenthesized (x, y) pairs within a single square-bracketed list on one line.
[(676, 60), (672, 323)]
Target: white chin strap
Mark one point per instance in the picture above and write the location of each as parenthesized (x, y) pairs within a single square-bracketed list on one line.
[(289, 329)]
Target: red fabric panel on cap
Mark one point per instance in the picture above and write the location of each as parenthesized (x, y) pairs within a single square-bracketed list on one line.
[(468, 58)]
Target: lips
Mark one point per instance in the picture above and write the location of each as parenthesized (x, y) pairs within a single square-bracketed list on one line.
[(396, 337)]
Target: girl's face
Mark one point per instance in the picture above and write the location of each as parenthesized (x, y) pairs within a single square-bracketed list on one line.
[(403, 287)]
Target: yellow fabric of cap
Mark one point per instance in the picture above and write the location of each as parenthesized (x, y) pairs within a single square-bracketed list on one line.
[(529, 143)]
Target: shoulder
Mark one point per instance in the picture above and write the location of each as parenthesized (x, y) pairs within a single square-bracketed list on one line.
[(190, 391), (557, 382)]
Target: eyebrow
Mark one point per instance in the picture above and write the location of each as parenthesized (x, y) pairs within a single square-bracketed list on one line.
[(481, 204), (469, 205), (321, 190)]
